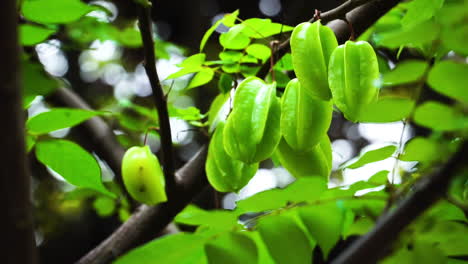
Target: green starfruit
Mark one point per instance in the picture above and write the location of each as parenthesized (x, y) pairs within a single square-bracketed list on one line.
[(311, 47), (252, 130), (352, 73), (304, 119), (224, 173), (315, 162)]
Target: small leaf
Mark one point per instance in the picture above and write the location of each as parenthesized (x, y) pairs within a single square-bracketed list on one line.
[(225, 83), (204, 76), (231, 248), (387, 109), (276, 230), (193, 61), (56, 119), (72, 162), (234, 38), (259, 51), (302, 189), (35, 81), (32, 35), (405, 72), (285, 63), (422, 150), (420, 10), (193, 215), (380, 178), (262, 28), (448, 78), (359, 227), (373, 156), (228, 20), (325, 223), (181, 248), (416, 35), (440, 117), (54, 11), (230, 56), (188, 114)]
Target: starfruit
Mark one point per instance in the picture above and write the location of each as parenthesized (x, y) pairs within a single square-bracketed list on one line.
[(224, 173), (304, 119), (311, 47), (352, 73), (315, 162), (252, 130)]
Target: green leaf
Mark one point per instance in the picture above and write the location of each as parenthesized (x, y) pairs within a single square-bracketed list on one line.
[(420, 10), (54, 11), (276, 230), (57, 118), (181, 248), (359, 227), (422, 150), (104, 206), (193, 215), (231, 248), (32, 35), (215, 113), (259, 51), (405, 72), (285, 63), (228, 20), (234, 39), (302, 189), (190, 113), (261, 28), (380, 178), (416, 35), (35, 82), (440, 117), (204, 76), (373, 156), (450, 237), (193, 61), (230, 56), (225, 83), (325, 223), (387, 109), (448, 78), (72, 162)]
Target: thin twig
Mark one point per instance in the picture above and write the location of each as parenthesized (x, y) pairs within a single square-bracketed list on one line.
[(144, 19)]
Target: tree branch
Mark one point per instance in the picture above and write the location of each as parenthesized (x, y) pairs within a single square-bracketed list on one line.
[(372, 247), (16, 224), (361, 14), (144, 19), (190, 178)]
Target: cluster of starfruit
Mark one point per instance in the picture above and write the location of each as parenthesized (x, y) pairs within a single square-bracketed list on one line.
[(294, 128)]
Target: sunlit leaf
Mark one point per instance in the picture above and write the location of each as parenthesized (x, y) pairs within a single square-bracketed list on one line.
[(235, 38), (325, 223), (204, 76), (231, 248), (230, 56), (416, 35), (420, 10), (449, 78), (259, 51), (31, 34), (276, 230), (193, 215), (227, 20), (72, 162), (180, 248), (373, 156), (422, 150), (57, 118), (54, 11), (262, 28), (387, 109), (440, 117), (405, 72), (218, 110)]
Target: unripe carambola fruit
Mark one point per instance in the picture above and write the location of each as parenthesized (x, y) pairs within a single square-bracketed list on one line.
[(311, 47), (315, 162), (142, 176), (304, 119), (252, 130), (352, 73), (224, 173)]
